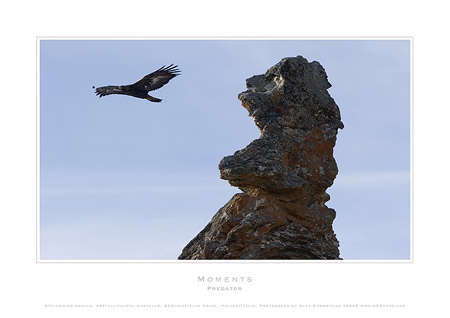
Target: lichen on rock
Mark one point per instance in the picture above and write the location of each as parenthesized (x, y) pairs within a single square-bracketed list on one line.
[(283, 175)]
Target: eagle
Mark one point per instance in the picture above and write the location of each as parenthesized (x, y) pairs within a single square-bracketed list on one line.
[(140, 89)]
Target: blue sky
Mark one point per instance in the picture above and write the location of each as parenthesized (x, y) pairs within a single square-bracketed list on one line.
[(126, 179)]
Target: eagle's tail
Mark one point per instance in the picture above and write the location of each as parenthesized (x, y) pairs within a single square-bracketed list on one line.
[(108, 90)]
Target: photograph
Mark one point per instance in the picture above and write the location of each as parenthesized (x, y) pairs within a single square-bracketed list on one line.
[(206, 159), (224, 149)]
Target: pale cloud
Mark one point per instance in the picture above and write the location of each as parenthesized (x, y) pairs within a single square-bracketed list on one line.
[(108, 238)]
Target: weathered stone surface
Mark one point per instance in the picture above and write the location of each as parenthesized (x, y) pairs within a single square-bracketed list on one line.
[(284, 174)]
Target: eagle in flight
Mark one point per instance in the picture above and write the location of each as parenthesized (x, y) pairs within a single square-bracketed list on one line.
[(140, 89)]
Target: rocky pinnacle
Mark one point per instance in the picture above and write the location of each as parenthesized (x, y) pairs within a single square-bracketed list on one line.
[(283, 175)]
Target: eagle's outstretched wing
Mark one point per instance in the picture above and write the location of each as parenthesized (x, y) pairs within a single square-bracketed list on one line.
[(108, 90), (158, 78)]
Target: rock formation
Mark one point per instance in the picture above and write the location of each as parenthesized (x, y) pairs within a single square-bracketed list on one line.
[(281, 213)]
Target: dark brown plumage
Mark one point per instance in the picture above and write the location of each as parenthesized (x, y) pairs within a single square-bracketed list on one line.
[(140, 89)]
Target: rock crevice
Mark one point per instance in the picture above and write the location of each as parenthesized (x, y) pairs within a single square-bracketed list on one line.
[(283, 175)]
